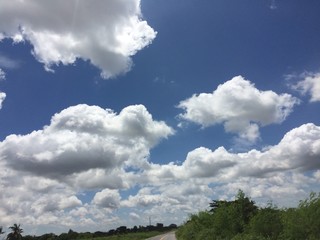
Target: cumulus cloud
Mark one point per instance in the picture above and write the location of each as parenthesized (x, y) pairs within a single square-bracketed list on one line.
[(299, 150), (107, 33), (240, 106), (202, 162), (82, 139), (284, 172), (310, 85), (107, 199), (83, 148)]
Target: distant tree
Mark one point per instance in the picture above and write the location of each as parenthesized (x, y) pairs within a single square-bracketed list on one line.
[(172, 226), (46, 236), (29, 237), (15, 232), (63, 236), (72, 234), (122, 229), (135, 229)]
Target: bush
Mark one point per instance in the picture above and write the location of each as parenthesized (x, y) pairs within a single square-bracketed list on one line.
[(267, 223), (303, 222), (242, 220)]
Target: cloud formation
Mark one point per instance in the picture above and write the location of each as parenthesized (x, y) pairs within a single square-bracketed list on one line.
[(107, 33), (310, 85), (84, 140), (284, 172), (2, 75), (299, 150), (8, 63), (239, 106), (2, 97), (107, 199)]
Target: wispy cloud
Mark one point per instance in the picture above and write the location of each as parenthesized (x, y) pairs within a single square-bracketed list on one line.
[(2, 75), (8, 63), (273, 5)]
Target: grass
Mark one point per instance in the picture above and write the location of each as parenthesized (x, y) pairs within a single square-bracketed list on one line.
[(131, 236)]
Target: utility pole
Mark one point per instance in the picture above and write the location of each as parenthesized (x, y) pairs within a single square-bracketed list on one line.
[(149, 221)]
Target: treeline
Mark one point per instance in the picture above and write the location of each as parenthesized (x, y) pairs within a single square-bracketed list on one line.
[(73, 235), (241, 219)]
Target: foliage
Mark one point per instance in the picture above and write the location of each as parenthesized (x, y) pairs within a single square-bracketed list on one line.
[(198, 223), (242, 220), (303, 222), (267, 223), (15, 232), (121, 233), (225, 220), (131, 236)]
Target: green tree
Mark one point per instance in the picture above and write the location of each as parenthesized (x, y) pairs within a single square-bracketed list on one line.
[(303, 222), (245, 207), (196, 226), (216, 204), (16, 231), (231, 217), (267, 223), (72, 234), (226, 221)]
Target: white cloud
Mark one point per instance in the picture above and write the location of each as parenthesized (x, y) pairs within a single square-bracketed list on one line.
[(83, 148), (299, 150), (240, 106), (310, 85), (82, 139), (8, 63), (54, 192), (2, 94), (282, 172), (2, 75), (202, 162), (2, 97), (55, 202), (107, 33), (134, 216), (107, 199)]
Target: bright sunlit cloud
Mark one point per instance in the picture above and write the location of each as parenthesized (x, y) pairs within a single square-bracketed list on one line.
[(81, 153), (310, 85), (107, 33), (239, 106)]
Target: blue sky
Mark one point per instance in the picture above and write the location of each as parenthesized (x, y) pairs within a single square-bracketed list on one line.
[(116, 111)]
